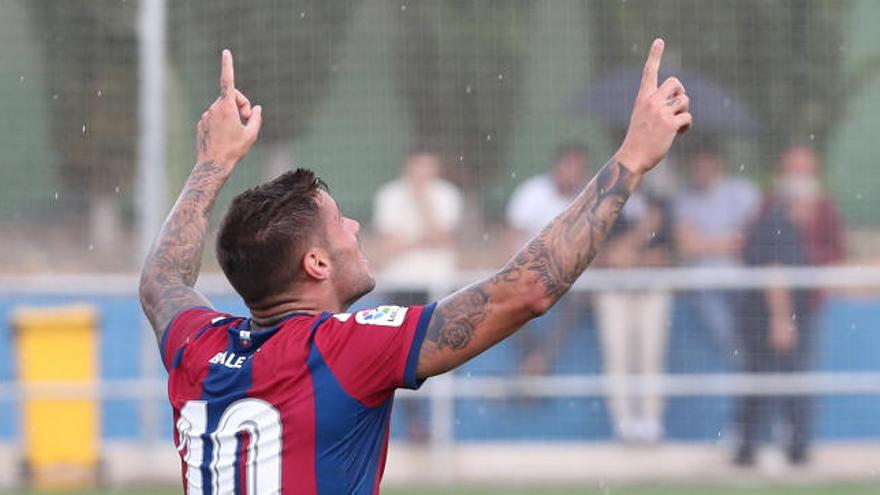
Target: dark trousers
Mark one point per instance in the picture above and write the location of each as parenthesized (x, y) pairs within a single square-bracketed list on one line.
[(753, 412)]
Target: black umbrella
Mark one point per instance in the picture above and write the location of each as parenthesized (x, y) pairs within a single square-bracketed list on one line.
[(611, 98)]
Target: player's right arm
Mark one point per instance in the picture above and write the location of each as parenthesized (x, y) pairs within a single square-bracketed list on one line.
[(473, 319), (172, 266)]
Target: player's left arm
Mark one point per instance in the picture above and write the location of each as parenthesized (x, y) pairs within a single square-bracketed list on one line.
[(172, 266)]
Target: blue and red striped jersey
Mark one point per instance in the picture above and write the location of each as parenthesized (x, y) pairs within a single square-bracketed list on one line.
[(299, 408)]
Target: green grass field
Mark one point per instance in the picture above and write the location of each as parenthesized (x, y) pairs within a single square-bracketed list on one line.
[(667, 490)]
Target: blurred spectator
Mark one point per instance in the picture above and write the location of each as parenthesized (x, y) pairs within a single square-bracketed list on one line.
[(798, 225), (416, 218), (532, 206), (633, 324), (711, 216)]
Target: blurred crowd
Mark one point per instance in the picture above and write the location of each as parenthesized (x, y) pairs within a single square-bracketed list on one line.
[(718, 219)]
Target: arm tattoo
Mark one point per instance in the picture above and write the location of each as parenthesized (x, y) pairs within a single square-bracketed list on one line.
[(172, 266), (452, 325), (563, 250), (204, 136), (553, 259)]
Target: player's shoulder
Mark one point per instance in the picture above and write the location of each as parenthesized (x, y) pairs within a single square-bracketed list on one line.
[(201, 315), (194, 318), (388, 315), (188, 327)]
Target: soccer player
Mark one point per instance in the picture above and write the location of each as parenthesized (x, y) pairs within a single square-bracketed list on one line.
[(297, 397)]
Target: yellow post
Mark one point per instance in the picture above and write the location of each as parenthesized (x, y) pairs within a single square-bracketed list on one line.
[(57, 350)]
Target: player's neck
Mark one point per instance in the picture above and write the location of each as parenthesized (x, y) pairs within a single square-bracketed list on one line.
[(270, 315)]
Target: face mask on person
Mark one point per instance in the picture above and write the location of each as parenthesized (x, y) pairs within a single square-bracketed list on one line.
[(798, 187)]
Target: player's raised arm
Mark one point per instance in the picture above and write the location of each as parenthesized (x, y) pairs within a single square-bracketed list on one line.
[(172, 266), (473, 319)]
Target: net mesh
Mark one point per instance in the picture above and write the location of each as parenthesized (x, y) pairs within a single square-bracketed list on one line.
[(492, 89)]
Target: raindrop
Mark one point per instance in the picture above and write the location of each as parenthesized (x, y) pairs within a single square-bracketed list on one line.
[(21, 79), (91, 247), (859, 196), (117, 189), (100, 93), (403, 7), (84, 129), (778, 231), (742, 167), (55, 96), (461, 158), (812, 137), (653, 234), (513, 175), (485, 236), (467, 89), (302, 15), (488, 137), (56, 195), (500, 77)]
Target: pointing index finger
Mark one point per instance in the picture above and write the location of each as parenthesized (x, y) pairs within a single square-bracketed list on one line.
[(652, 67), (227, 75)]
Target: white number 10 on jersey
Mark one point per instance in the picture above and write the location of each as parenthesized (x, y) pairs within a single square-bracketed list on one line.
[(259, 419)]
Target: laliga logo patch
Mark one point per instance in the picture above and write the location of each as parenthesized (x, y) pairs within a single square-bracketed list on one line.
[(388, 316)]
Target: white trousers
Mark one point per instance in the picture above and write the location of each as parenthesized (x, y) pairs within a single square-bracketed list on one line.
[(633, 330)]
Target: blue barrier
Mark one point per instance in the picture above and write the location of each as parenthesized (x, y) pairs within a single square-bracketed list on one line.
[(848, 340)]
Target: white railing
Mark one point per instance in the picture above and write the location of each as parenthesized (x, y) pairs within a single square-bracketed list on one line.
[(850, 276), (443, 391)]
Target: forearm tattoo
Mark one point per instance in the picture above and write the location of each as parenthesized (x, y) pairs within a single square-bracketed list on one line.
[(453, 322), (554, 258), (172, 266)]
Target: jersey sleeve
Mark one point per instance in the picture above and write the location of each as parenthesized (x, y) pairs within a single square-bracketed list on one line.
[(375, 351), (183, 328)]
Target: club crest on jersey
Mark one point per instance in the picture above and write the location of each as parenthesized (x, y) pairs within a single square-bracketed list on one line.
[(388, 316), (244, 337)]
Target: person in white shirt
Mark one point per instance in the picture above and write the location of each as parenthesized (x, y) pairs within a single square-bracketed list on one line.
[(539, 199), (416, 218), (533, 204)]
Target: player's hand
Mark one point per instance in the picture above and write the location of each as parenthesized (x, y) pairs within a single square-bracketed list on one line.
[(229, 127), (659, 114)]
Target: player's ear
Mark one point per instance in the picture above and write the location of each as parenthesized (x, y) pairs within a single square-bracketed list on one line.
[(316, 264)]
